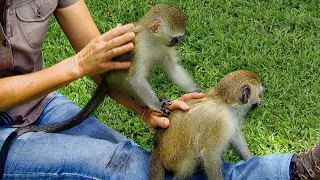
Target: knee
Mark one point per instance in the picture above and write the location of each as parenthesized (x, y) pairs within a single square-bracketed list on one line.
[(119, 161), (124, 161), (130, 162)]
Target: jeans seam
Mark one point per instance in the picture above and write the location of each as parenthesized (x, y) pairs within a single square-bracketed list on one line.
[(39, 175)]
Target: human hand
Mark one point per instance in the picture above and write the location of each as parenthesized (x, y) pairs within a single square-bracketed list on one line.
[(96, 57), (155, 119)]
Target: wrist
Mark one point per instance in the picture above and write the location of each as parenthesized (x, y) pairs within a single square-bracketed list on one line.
[(75, 70), (144, 114)]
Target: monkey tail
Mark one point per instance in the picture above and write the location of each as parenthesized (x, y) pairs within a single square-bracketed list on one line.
[(157, 170), (95, 100)]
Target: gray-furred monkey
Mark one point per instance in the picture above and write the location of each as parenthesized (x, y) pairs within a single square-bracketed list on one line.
[(156, 35), (197, 138)]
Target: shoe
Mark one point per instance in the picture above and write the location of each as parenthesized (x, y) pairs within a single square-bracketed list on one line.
[(306, 165)]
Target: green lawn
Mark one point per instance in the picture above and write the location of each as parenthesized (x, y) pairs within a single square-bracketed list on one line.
[(277, 39)]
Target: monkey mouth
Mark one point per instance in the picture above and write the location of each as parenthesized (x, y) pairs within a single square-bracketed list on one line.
[(174, 41), (171, 44), (253, 106)]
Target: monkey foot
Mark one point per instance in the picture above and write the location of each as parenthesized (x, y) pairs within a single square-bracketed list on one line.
[(164, 107)]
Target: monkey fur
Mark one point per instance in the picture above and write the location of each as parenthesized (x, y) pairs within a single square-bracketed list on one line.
[(196, 138), (157, 33)]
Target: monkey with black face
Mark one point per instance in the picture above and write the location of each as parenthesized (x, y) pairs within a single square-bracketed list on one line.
[(156, 35), (197, 138)]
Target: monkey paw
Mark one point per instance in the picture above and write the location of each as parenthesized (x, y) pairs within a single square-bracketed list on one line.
[(164, 106)]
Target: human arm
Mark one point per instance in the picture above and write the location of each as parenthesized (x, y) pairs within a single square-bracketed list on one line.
[(80, 29), (93, 59)]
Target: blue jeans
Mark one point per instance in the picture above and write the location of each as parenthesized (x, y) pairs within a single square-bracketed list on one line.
[(92, 150)]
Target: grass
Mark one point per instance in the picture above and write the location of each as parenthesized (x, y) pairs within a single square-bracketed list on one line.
[(278, 39)]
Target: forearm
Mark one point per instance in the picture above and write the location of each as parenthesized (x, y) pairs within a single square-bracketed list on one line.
[(17, 90), (126, 102), (75, 20), (80, 29)]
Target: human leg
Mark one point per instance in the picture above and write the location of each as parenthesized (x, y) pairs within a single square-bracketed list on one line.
[(53, 156), (253, 168), (56, 156), (90, 150), (60, 108), (271, 166)]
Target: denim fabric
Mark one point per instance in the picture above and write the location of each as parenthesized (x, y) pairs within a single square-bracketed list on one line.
[(94, 151), (60, 108), (267, 167)]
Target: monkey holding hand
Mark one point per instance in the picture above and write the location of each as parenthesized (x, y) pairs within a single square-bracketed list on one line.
[(197, 138), (157, 33)]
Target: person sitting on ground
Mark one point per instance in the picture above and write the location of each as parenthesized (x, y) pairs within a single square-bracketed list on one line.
[(90, 150)]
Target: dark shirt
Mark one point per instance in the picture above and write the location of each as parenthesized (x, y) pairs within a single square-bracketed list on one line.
[(22, 32)]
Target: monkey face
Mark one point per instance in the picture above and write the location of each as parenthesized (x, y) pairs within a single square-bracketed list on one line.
[(255, 99), (168, 36), (253, 107)]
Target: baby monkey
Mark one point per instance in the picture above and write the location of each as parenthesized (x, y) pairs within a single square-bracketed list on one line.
[(197, 138), (157, 34)]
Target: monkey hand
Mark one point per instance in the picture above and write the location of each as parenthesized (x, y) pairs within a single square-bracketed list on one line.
[(96, 57), (164, 103), (155, 119)]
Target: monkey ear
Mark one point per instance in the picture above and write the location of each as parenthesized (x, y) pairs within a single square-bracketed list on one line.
[(245, 94), (154, 26)]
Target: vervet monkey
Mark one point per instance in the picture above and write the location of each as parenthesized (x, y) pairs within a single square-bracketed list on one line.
[(197, 138), (157, 33)]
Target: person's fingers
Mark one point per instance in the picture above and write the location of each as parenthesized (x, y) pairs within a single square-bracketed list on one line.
[(178, 104), (114, 52), (158, 121), (116, 65), (115, 32), (120, 40), (193, 95)]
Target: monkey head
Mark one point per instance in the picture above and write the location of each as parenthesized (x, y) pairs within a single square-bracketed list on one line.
[(166, 24), (241, 89)]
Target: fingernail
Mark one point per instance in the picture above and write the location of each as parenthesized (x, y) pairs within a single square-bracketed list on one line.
[(186, 107), (128, 26), (132, 34)]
